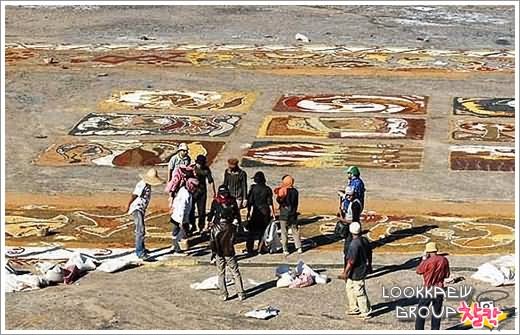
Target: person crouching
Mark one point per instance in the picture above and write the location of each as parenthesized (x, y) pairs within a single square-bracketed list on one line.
[(223, 221)]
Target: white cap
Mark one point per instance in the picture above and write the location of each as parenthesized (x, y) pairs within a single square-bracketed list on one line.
[(182, 146), (355, 228)]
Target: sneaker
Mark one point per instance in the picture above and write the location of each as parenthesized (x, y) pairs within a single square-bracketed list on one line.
[(300, 251), (144, 256), (223, 297), (353, 313), (213, 261), (286, 253), (241, 296)]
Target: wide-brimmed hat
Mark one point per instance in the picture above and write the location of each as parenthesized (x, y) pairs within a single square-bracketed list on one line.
[(151, 177), (355, 228), (431, 247), (182, 146)]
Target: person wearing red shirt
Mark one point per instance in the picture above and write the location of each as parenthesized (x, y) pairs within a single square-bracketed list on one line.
[(434, 268)]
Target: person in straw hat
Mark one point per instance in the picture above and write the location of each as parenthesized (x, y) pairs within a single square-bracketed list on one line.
[(435, 269), (137, 207)]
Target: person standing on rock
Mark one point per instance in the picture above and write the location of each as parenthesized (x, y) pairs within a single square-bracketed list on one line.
[(287, 197), (223, 221), (137, 207), (359, 265), (435, 269), (260, 201), (236, 181), (203, 174), (180, 158), (180, 213)]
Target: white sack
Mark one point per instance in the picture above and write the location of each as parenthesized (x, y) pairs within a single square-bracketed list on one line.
[(498, 272), (113, 265), (27, 282), (209, 284), (82, 262)]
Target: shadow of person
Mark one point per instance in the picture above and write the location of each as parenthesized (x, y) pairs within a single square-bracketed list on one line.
[(400, 234), (251, 292), (386, 307), (381, 271), (309, 220)]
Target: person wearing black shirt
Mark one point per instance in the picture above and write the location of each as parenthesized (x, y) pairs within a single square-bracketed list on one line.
[(260, 201), (359, 265), (236, 181), (287, 197), (203, 174), (223, 220), (353, 214)]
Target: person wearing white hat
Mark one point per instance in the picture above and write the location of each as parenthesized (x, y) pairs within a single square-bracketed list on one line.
[(137, 207), (352, 214), (182, 157), (435, 269), (359, 264)]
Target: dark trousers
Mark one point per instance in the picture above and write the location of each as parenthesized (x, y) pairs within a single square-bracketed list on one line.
[(199, 203), (252, 236), (437, 308)]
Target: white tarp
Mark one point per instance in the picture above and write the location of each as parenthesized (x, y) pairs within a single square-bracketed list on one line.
[(498, 272)]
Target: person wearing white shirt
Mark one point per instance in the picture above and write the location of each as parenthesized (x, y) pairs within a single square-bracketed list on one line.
[(180, 212), (137, 207)]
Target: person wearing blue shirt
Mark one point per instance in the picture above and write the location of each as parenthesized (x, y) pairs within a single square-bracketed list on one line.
[(356, 183)]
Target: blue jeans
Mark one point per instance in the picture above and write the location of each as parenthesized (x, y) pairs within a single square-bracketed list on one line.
[(139, 232)]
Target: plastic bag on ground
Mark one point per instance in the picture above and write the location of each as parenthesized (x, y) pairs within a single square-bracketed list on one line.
[(302, 268), (263, 313), (82, 262), (303, 280), (281, 269), (285, 280), (54, 274), (210, 284), (498, 272)]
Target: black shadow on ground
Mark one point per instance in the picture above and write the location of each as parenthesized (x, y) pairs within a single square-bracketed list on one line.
[(251, 292), (399, 234), (409, 264)]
